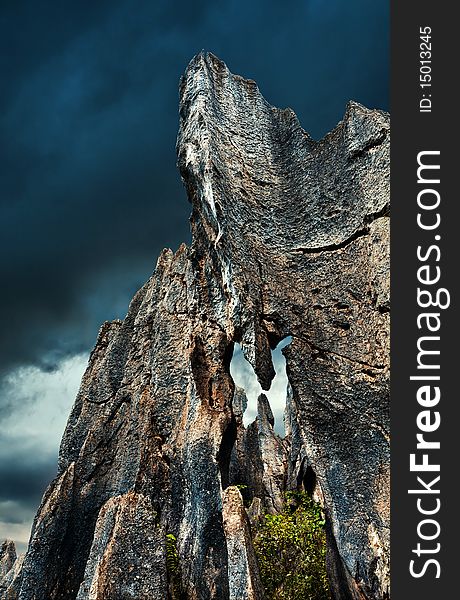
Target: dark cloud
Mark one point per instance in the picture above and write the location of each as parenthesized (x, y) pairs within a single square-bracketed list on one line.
[(25, 471), (24, 478), (89, 104), (27, 466)]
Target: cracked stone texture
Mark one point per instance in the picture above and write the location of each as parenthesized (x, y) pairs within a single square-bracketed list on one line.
[(127, 557), (259, 457), (243, 572), (290, 237), (7, 557)]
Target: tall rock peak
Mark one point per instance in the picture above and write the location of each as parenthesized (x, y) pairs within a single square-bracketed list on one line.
[(289, 238)]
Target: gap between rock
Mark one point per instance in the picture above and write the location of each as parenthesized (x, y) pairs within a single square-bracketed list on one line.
[(244, 377)]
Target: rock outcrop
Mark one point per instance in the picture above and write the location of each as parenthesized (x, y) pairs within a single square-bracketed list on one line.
[(10, 571), (7, 557), (243, 573), (290, 238), (258, 461)]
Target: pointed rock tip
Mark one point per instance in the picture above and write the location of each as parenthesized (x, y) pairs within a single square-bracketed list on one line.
[(7, 546), (212, 68), (264, 409), (205, 59), (356, 111), (8, 556)]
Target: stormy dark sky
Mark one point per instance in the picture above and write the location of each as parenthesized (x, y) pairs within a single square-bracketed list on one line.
[(89, 191)]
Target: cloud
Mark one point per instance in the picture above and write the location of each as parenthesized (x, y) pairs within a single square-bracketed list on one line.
[(18, 532), (38, 402), (35, 408)]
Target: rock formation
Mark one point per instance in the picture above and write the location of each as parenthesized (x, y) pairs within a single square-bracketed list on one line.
[(7, 557), (258, 461), (290, 238), (10, 570)]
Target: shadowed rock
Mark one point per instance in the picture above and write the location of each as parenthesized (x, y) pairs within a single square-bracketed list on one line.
[(290, 237)]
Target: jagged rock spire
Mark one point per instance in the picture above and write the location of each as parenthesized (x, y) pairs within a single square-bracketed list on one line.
[(290, 237), (7, 557)]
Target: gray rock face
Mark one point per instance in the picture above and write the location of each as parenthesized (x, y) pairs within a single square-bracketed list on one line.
[(290, 237), (243, 573), (10, 570), (259, 459), (127, 556), (7, 557), (297, 231)]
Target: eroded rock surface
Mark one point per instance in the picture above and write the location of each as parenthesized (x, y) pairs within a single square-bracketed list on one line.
[(243, 573), (10, 570), (258, 460), (127, 556), (7, 557), (290, 238)]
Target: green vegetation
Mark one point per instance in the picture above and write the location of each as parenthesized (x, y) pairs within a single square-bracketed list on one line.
[(172, 565), (291, 551), (244, 494), (172, 557)]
